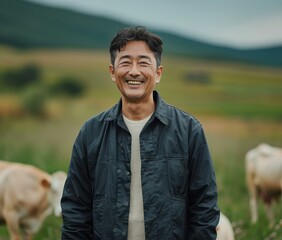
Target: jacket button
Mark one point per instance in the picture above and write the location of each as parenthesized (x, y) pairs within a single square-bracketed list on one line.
[(118, 170), (123, 233), (125, 204), (127, 173)]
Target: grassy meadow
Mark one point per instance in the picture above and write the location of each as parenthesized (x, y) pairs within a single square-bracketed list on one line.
[(238, 105)]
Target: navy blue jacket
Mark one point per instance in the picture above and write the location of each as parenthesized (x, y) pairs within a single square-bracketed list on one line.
[(178, 180)]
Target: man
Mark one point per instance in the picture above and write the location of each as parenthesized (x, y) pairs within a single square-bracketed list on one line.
[(141, 170)]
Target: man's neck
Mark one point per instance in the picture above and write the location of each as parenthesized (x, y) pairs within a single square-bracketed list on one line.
[(138, 110)]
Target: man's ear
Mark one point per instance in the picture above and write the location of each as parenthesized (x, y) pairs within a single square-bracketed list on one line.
[(112, 72), (159, 73)]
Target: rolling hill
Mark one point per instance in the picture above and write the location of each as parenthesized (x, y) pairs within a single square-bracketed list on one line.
[(28, 25)]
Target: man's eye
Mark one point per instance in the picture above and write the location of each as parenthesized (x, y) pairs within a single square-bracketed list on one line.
[(144, 63), (124, 63)]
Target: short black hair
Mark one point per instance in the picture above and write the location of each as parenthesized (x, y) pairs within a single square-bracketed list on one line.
[(137, 33)]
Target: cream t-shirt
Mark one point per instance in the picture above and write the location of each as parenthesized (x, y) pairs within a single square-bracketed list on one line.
[(136, 227)]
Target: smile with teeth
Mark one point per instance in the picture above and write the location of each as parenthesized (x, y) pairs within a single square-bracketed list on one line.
[(134, 82)]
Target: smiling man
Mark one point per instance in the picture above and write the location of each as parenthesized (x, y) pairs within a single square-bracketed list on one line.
[(141, 170), (136, 73)]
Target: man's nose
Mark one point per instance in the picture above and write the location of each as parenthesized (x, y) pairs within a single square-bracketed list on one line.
[(134, 70)]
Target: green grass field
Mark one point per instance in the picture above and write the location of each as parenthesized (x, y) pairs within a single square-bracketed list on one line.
[(239, 107)]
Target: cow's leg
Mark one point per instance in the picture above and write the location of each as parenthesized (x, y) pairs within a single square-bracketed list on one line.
[(253, 208), (252, 197), (13, 226), (269, 213), (27, 236)]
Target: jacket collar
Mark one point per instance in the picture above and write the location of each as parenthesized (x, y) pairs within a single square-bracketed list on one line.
[(160, 113)]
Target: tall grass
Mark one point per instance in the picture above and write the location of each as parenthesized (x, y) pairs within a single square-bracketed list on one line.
[(239, 108)]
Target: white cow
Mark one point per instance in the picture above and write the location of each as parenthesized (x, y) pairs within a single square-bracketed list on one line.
[(224, 229), (264, 178), (27, 196)]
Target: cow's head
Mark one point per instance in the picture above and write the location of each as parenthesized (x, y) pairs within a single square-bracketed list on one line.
[(57, 185)]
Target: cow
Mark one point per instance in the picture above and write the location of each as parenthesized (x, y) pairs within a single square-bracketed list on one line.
[(264, 178), (27, 196), (224, 229)]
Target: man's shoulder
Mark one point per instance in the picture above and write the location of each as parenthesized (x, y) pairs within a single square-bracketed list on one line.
[(177, 113), (171, 114), (102, 117)]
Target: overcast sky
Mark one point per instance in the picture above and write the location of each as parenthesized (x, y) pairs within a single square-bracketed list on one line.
[(236, 23)]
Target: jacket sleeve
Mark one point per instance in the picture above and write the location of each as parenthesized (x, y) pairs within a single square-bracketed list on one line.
[(203, 212), (76, 201)]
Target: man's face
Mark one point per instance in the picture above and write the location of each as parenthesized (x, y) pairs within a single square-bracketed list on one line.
[(135, 72)]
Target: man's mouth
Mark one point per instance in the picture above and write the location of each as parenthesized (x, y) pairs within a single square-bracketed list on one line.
[(134, 82)]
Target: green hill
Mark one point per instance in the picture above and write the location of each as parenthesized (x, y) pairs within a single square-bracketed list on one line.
[(28, 25)]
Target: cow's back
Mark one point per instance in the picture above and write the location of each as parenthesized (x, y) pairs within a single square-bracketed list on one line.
[(224, 229), (264, 166), (25, 190), (4, 165)]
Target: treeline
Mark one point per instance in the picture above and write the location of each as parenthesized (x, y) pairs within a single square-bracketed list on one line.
[(28, 83)]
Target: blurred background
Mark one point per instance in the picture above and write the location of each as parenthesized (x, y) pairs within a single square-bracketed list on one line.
[(222, 63)]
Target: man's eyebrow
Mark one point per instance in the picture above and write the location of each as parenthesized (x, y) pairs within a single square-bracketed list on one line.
[(124, 56), (145, 56), (139, 56)]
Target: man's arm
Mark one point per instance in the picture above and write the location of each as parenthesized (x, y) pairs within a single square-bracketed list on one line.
[(203, 212), (77, 196)]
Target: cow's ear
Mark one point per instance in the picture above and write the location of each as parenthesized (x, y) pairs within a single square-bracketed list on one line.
[(45, 183)]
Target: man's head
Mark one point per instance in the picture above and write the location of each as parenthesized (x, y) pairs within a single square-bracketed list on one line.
[(138, 33), (135, 67)]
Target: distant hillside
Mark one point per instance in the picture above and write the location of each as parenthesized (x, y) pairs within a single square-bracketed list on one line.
[(29, 25)]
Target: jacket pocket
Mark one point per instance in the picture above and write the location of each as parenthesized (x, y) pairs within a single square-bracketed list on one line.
[(178, 222), (177, 176)]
